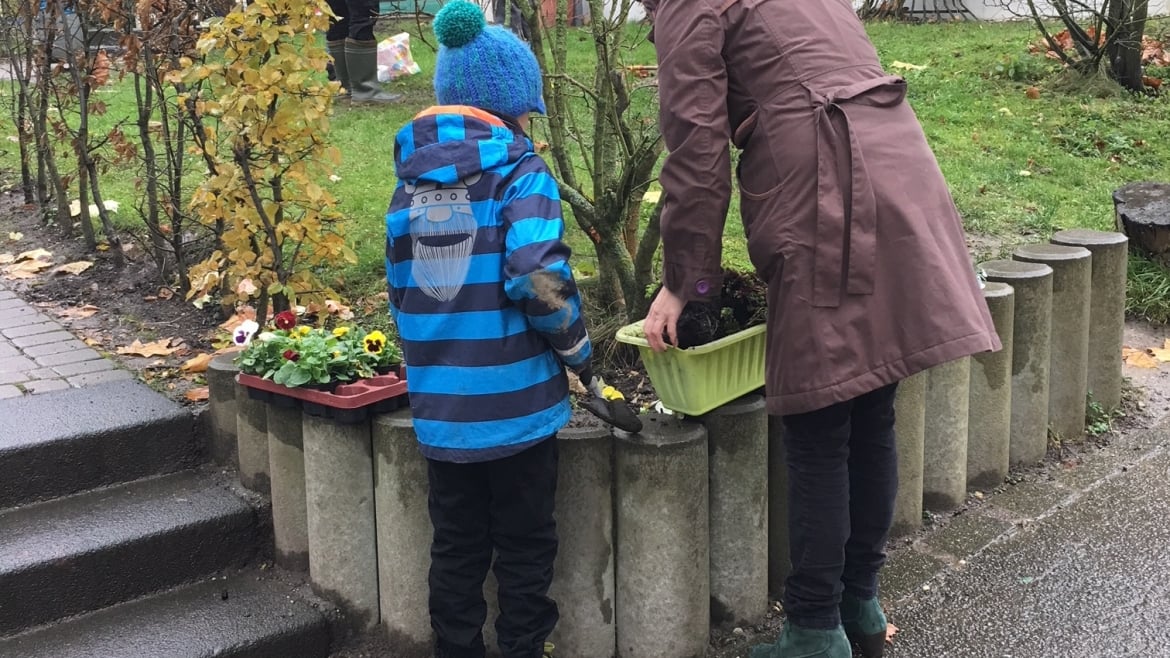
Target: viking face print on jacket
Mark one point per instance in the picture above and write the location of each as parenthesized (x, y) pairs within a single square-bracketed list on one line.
[(442, 231)]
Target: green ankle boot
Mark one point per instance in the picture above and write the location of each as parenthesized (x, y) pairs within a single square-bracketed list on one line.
[(797, 642), (361, 59), (865, 624), (336, 49)]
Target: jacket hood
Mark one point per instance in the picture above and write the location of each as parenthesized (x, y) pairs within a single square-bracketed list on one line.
[(448, 144)]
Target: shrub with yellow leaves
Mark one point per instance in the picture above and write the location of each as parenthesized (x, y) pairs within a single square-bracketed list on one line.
[(263, 134)]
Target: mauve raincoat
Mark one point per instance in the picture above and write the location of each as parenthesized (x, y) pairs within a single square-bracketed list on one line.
[(847, 216)]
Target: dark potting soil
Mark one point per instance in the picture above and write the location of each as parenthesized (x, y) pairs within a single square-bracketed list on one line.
[(742, 304)]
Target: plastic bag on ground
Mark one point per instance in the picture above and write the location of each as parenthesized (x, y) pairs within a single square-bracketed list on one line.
[(394, 58)]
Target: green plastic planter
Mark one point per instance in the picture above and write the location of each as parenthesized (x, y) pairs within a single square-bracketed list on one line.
[(696, 380)]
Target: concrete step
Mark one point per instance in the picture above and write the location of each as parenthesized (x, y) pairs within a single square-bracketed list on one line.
[(85, 552), (247, 615), (74, 440)]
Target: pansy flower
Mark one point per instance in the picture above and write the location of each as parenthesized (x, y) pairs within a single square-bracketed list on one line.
[(374, 342), (243, 333), (285, 320)]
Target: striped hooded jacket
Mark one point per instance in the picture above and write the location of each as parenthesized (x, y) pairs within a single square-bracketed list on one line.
[(480, 286)]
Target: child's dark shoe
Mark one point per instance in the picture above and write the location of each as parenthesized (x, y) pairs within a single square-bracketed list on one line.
[(864, 623), (797, 642)]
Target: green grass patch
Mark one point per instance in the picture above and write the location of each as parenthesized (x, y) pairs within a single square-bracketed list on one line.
[(1148, 294)]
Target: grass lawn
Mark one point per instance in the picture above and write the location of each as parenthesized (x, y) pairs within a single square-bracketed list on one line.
[(1020, 165)]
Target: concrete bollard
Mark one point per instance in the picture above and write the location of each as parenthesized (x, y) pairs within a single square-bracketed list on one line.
[(1107, 309), (663, 558), (252, 441), (737, 456), (286, 469), (583, 577), (1072, 281), (944, 439), (909, 427), (1031, 338), (779, 557), (403, 535), (990, 409), (339, 491), (221, 385)]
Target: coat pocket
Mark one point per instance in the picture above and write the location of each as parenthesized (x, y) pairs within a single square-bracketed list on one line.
[(758, 176)]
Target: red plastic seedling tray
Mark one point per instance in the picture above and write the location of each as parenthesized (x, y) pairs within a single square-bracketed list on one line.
[(346, 403)]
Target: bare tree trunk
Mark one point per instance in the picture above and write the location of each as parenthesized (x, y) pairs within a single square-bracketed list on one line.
[(83, 197), (144, 97), (1128, 20)]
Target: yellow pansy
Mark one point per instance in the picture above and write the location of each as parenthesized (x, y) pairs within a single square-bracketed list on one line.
[(374, 342), (340, 332)]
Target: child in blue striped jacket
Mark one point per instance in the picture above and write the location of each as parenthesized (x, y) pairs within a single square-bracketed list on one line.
[(489, 316)]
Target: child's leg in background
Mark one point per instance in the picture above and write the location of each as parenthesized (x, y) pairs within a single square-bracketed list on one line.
[(461, 552), (525, 536)]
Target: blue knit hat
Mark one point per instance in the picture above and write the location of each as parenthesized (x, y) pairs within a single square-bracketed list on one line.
[(484, 66)]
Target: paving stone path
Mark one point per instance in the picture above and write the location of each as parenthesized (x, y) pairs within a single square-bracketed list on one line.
[(38, 355)]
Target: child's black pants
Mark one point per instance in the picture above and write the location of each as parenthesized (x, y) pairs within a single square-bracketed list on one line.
[(505, 505)]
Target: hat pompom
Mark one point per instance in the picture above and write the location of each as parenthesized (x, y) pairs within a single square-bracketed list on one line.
[(459, 23)]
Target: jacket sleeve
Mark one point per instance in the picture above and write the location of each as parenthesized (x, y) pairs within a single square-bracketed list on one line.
[(399, 203), (537, 275), (696, 176)]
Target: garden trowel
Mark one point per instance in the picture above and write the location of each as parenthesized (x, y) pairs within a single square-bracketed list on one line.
[(608, 404)]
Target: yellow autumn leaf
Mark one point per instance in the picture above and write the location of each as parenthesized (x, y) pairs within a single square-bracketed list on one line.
[(76, 267), (1162, 354), (159, 347), (78, 313), (198, 394), (1138, 358), (34, 254), (7, 258), (196, 364)]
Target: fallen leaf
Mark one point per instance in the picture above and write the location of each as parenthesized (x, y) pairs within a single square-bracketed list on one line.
[(891, 631), (340, 310), (15, 235), (91, 342), (165, 293), (1033, 93), (78, 313), (1138, 358), (150, 298), (242, 313), (7, 258), (197, 394), (76, 267), (103, 247), (159, 347), (246, 288), (334, 178), (1162, 354), (906, 66), (25, 269), (197, 363), (34, 254)]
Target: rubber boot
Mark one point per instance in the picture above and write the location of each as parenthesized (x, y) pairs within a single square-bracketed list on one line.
[(864, 623), (361, 60), (797, 642), (336, 49)]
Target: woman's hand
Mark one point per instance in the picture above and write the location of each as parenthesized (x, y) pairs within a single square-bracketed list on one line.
[(663, 316)]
